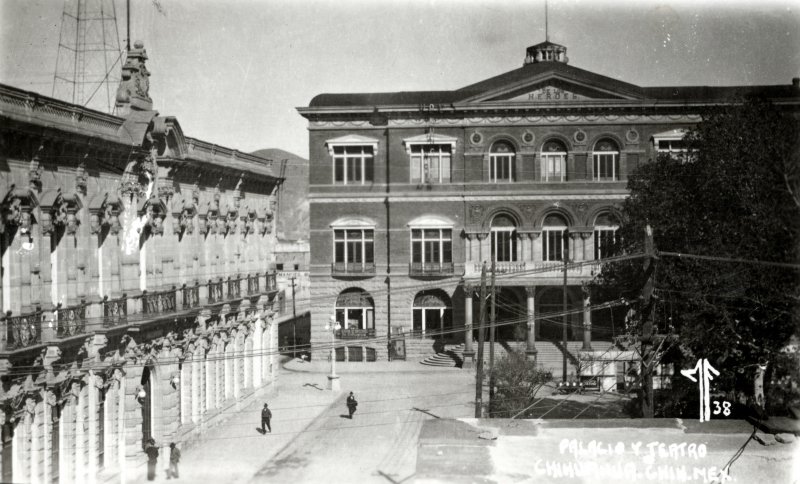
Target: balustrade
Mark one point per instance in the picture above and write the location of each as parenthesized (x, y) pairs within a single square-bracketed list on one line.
[(355, 333), (158, 302), (271, 281), (252, 285), (115, 311), (71, 320), (191, 296), (215, 292), (23, 330), (234, 289)]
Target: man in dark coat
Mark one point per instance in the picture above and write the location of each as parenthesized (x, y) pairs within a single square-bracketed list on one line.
[(266, 415), (351, 405), (174, 458), (152, 458)]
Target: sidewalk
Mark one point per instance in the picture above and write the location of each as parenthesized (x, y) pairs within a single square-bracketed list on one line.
[(235, 450), (397, 366)]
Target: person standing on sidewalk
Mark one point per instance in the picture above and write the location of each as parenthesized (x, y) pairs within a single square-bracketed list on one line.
[(351, 405), (152, 458), (174, 458), (266, 415)]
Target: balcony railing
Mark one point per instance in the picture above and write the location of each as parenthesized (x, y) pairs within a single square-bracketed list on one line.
[(158, 302), (252, 284), (430, 268), (215, 292), (540, 268), (355, 333), (272, 281), (23, 330), (71, 320), (115, 311), (191, 296), (234, 288), (356, 268)]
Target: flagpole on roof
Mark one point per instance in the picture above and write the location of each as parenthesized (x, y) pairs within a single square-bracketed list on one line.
[(546, 30)]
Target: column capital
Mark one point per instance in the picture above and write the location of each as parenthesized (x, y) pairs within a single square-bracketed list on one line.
[(530, 291)]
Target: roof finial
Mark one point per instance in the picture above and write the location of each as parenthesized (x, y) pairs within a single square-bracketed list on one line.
[(546, 30)]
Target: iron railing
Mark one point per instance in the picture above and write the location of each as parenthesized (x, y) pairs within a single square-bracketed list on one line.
[(71, 320), (355, 333), (158, 302), (356, 268), (430, 268), (23, 330), (115, 311)]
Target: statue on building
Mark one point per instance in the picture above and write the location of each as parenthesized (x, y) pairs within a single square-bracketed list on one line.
[(133, 93)]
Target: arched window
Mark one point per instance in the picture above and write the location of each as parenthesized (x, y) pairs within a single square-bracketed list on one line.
[(554, 161), (605, 235), (501, 162), (554, 238), (433, 312), (606, 160), (355, 309), (504, 239)]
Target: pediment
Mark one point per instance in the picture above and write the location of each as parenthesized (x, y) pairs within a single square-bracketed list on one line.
[(561, 85)]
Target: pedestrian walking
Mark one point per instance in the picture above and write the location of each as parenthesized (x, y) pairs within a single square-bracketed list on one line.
[(174, 458), (351, 405), (152, 458), (266, 415)]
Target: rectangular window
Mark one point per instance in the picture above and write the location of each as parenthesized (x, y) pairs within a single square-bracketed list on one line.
[(430, 163), (353, 246), (353, 165), (504, 245), (501, 168), (605, 166), (555, 244), (604, 240), (431, 246), (554, 167)]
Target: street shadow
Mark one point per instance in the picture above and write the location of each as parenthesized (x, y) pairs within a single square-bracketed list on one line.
[(422, 410), (312, 385), (262, 432), (345, 416), (393, 481)]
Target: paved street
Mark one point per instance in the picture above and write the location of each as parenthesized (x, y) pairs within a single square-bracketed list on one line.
[(380, 444), (312, 436)]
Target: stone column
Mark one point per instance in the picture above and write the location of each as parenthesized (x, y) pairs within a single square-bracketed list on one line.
[(483, 252), (588, 246), (575, 252), (536, 249), (469, 351), (531, 344), (587, 323)]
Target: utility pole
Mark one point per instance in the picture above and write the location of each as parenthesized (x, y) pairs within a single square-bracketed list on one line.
[(564, 322), (294, 321), (479, 373), (491, 340), (647, 324)]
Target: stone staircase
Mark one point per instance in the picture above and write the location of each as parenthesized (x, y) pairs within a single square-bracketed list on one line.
[(450, 357)]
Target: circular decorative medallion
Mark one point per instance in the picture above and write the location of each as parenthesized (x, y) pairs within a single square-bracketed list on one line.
[(476, 138), (579, 136), (632, 136), (528, 137)]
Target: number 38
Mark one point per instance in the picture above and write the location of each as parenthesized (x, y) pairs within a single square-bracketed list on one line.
[(725, 409)]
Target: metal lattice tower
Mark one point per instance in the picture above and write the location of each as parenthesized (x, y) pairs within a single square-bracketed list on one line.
[(89, 56)]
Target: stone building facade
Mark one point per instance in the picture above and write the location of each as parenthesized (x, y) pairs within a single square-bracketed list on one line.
[(138, 294), (410, 192)]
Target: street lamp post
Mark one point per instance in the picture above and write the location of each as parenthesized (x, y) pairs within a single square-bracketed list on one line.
[(333, 378)]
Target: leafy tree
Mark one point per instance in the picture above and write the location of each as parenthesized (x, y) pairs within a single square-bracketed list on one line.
[(517, 381), (735, 196)]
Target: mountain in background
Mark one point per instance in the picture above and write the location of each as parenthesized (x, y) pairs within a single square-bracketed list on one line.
[(293, 196)]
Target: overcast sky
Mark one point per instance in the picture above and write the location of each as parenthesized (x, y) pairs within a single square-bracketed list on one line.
[(233, 72)]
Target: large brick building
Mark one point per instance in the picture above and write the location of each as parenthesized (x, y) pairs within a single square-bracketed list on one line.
[(137, 295), (411, 191)]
